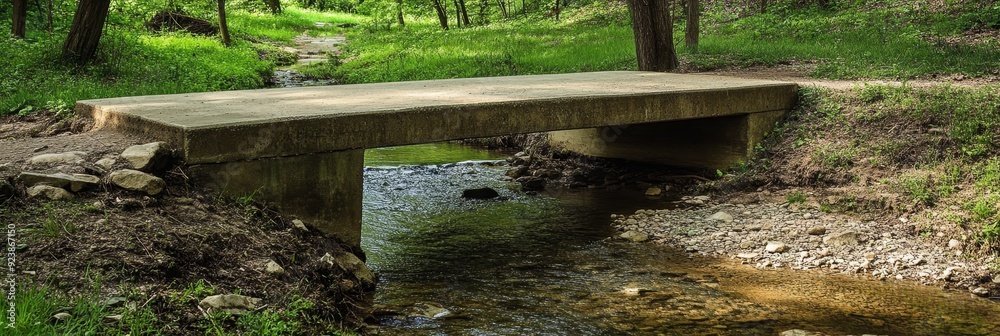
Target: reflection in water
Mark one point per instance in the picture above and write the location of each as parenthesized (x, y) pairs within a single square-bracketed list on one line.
[(543, 265)]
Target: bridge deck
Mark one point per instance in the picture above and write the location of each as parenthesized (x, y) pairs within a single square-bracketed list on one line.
[(239, 125)]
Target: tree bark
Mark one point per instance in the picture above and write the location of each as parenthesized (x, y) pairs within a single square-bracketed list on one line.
[(223, 26), (20, 18), (654, 36), (85, 31), (458, 14), (465, 13), (442, 14), (274, 6), (691, 31), (399, 13), (503, 8)]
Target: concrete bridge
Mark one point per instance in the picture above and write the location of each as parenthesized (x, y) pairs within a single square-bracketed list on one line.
[(302, 148)]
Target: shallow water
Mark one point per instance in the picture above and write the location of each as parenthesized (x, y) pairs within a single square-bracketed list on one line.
[(545, 265)]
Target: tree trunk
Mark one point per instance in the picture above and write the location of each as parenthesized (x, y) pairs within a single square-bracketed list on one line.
[(654, 42), (442, 14), (85, 31), (558, 10), (223, 26), (274, 6), (465, 13), (20, 18), (458, 14), (503, 8), (691, 33), (399, 13), (49, 16)]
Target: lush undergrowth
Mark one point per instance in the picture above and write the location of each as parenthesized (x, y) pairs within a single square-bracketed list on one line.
[(133, 61)]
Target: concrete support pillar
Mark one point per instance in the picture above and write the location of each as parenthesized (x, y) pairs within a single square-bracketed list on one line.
[(323, 190), (704, 143)]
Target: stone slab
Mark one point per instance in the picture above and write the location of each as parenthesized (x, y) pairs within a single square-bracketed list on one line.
[(231, 126)]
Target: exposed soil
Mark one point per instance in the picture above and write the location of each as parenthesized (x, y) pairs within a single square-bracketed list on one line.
[(150, 249)]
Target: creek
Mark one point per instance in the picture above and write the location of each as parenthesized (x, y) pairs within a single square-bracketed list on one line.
[(550, 264)]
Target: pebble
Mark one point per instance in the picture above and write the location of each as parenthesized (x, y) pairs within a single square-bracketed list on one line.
[(817, 231)]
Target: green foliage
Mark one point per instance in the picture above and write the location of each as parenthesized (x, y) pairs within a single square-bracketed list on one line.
[(796, 197), (193, 292), (275, 323), (920, 189), (36, 304)]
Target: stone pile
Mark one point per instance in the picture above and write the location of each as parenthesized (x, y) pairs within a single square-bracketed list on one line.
[(58, 176)]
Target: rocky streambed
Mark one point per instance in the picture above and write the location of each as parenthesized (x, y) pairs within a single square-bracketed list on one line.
[(770, 235)]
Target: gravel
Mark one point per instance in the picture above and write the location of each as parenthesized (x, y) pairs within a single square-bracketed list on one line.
[(773, 235)]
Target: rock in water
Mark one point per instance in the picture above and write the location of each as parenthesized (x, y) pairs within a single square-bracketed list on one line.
[(654, 191), (480, 193), (635, 236), (135, 180), (843, 238), (49, 192), (148, 158), (721, 216), (230, 303)]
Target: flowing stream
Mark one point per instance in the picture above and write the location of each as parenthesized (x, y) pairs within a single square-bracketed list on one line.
[(547, 265)]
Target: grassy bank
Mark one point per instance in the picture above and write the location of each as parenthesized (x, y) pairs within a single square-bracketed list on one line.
[(888, 39), (928, 155), (133, 61)]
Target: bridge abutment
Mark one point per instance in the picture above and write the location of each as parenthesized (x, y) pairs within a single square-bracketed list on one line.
[(324, 190), (705, 143)]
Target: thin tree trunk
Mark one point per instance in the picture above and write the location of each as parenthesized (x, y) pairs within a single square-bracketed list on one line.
[(20, 18), (503, 8), (49, 3), (442, 14), (558, 10), (654, 43), (691, 33), (399, 13), (458, 14), (465, 13), (85, 31), (223, 26)]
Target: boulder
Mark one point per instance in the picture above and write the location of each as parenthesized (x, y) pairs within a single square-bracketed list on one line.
[(230, 303), (721, 216), (350, 264), (480, 193), (843, 238), (57, 158), (149, 157), (776, 247), (635, 236), (654, 191), (135, 180), (49, 192), (106, 163), (75, 182)]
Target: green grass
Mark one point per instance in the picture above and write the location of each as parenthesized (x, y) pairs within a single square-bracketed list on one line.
[(422, 50), (135, 62), (898, 42)]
